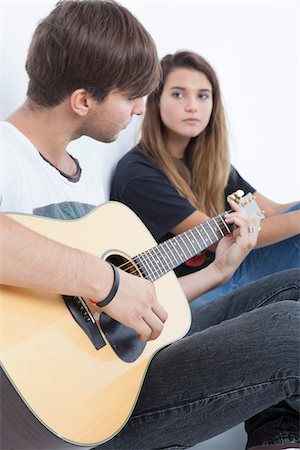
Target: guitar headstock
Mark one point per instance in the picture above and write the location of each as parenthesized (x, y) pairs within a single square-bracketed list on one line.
[(247, 202)]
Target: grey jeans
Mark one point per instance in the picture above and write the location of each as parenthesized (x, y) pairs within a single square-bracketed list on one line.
[(239, 362)]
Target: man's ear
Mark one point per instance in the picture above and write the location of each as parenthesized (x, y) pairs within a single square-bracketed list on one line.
[(80, 101)]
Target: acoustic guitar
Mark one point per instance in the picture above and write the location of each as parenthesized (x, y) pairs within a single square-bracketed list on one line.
[(70, 375)]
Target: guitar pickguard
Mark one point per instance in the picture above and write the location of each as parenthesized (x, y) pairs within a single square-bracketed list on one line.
[(124, 341)]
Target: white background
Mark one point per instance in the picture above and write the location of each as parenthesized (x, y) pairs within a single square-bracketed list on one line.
[(253, 46)]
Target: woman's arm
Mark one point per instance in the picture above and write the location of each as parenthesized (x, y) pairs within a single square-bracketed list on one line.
[(270, 207), (276, 226)]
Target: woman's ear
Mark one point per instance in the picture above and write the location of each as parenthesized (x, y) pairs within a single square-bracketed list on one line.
[(80, 101)]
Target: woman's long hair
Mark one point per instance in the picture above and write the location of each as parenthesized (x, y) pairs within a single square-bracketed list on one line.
[(203, 177)]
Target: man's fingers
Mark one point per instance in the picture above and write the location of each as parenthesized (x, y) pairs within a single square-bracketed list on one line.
[(154, 319), (160, 311)]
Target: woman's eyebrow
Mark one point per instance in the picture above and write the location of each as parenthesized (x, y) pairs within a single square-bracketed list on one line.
[(183, 88)]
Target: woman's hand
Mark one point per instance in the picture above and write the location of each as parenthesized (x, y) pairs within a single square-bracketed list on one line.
[(233, 248)]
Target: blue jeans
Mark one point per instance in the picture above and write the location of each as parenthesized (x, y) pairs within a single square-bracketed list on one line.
[(239, 362), (260, 262)]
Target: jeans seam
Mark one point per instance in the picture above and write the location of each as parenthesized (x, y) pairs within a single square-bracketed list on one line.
[(209, 397), (276, 292)]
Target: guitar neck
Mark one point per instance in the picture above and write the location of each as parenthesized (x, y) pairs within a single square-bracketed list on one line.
[(157, 261)]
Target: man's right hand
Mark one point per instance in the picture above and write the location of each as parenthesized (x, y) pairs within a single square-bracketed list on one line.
[(135, 305)]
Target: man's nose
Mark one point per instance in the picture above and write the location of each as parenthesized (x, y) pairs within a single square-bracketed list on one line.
[(138, 107)]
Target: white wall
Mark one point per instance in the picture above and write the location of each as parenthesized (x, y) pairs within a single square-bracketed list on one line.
[(253, 45)]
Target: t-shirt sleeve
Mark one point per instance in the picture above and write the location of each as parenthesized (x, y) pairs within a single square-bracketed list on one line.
[(151, 196), (235, 182)]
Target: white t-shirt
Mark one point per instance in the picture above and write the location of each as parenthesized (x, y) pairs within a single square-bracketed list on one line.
[(30, 184)]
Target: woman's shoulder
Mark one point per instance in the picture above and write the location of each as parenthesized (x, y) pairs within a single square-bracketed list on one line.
[(136, 163), (236, 181)]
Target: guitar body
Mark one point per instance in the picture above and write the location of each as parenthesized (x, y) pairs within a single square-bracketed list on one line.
[(59, 388)]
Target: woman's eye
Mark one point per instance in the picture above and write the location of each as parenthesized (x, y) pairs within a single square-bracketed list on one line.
[(177, 95), (204, 96)]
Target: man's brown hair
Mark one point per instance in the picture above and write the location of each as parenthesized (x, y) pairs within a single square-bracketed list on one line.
[(97, 45)]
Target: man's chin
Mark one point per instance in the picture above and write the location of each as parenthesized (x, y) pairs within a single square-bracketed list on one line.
[(108, 140)]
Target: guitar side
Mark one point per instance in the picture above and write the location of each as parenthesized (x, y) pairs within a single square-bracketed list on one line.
[(82, 395)]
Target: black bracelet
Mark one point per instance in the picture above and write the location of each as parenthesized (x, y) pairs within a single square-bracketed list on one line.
[(114, 288)]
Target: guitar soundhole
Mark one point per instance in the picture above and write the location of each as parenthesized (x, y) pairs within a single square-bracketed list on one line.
[(124, 263), (124, 341)]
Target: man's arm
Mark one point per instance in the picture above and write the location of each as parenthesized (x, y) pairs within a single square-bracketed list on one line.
[(31, 260)]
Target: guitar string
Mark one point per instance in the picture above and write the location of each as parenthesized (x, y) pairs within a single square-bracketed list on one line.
[(220, 222), (130, 264), (137, 271)]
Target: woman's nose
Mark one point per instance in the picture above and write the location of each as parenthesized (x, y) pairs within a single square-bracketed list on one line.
[(191, 106)]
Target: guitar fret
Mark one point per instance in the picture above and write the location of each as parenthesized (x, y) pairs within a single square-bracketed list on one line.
[(157, 260), (167, 253), (208, 223), (160, 261), (153, 261), (197, 229), (167, 266), (140, 266), (224, 223), (191, 241), (187, 256), (170, 254), (174, 246), (218, 227), (143, 262), (203, 226)]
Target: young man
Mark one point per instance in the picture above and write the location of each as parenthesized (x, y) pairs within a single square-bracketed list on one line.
[(89, 65), (88, 75)]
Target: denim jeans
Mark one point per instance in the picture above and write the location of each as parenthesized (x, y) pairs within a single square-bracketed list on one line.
[(239, 362), (260, 262)]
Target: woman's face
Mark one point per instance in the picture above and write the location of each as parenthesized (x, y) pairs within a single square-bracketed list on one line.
[(186, 103)]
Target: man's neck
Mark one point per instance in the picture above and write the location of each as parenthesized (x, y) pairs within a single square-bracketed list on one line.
[(49, 130)]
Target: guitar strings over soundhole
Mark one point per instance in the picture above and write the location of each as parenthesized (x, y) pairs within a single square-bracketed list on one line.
[(125, 263)]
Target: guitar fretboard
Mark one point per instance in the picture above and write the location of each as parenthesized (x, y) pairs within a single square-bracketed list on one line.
[(168, 255)]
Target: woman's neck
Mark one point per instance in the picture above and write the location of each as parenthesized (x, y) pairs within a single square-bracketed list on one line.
[(176, 145)]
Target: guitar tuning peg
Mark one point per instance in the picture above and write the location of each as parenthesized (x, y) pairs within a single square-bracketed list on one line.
[(236, 196), (261, 214), (239, 193)]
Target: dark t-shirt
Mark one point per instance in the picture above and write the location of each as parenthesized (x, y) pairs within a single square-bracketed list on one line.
[(141, 185)]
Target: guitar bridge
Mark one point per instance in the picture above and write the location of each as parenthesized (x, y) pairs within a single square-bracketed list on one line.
[(85, 319)]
